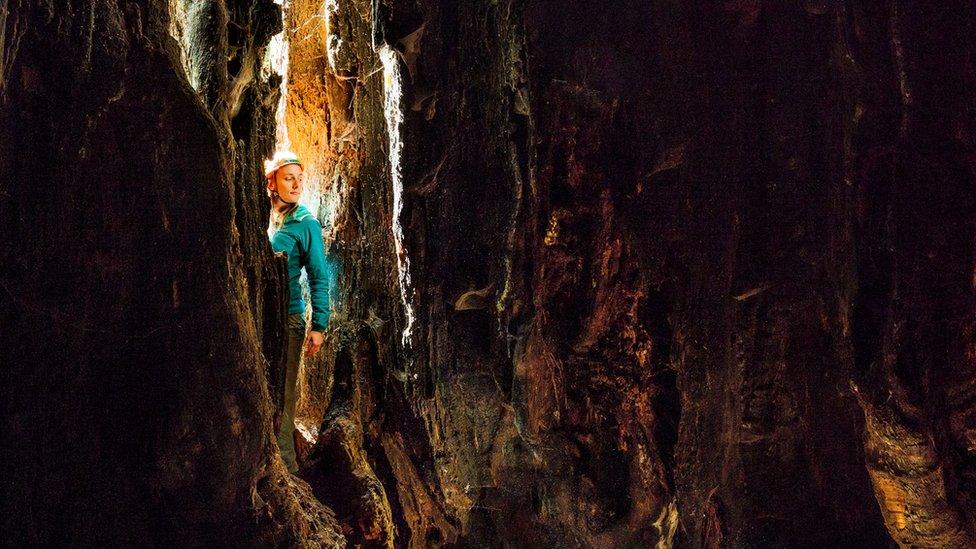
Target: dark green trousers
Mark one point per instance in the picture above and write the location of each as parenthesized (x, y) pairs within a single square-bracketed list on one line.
[(286, 441)]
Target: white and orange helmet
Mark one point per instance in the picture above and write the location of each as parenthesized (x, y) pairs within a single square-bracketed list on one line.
[(281, 158)]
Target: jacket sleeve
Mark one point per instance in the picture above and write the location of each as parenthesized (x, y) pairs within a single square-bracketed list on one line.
[(319, 276)]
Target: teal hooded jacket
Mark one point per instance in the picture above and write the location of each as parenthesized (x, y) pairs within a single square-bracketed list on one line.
[(300, 238)]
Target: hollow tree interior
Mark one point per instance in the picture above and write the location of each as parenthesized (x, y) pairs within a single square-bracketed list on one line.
[(632, 273)]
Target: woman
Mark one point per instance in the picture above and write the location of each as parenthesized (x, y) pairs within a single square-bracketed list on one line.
[(298, 234)]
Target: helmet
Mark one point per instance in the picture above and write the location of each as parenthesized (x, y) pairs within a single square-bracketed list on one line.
[(281, 158)]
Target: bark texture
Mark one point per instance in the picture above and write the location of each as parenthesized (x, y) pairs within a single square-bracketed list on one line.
[(914, 149), (619, 274), (137, 286), (668, 273)]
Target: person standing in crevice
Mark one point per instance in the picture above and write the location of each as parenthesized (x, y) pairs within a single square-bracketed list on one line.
[(298, 235)]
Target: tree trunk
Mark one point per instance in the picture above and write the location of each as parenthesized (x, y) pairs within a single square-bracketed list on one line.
[(620, 265), (616, 274), (136, 406)]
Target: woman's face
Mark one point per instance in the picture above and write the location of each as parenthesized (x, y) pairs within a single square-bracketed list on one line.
[(288, 182)]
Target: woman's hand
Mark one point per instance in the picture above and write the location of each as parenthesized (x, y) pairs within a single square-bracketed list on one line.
[(313, 343)]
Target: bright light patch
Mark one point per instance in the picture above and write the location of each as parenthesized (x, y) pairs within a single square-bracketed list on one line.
[(332, 41), (392, 109), (276, 60)]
